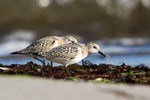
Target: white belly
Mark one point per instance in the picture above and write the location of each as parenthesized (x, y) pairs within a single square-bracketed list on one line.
[(68, 62)]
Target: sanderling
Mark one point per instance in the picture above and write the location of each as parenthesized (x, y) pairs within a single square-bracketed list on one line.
[(71, 53), (42, 46)]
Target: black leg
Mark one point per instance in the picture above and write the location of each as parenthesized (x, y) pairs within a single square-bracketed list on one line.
[(83, 62), (50, 64), (87, 64), (67, 71), (42, 61)]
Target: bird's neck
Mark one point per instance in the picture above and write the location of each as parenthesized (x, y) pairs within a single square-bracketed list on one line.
[(85, 51)]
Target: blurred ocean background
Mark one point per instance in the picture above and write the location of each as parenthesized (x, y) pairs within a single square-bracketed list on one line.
[(120, 27)]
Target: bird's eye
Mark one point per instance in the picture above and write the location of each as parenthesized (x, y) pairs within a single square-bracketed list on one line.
[(72, 41), (94, 47)]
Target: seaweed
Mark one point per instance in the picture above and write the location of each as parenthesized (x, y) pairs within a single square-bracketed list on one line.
[(103, 73)]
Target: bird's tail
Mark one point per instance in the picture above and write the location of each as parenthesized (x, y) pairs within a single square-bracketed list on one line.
[(17, 52), (24, 51)]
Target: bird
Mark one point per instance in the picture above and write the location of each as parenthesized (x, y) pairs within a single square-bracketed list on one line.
[(42, 46), (71, 53)]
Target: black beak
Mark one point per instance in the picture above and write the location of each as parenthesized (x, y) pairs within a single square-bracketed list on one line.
[(101, 53)]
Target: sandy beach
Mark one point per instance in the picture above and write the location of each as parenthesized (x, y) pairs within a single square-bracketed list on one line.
[(29, 88)]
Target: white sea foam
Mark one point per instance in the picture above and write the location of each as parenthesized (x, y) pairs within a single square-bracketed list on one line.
[(11, 46), (16, 40)]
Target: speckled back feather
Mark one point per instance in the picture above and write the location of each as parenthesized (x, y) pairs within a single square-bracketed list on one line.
[(67, 51), (41, 46)]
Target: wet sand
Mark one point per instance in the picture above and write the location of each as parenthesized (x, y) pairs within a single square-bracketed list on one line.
[(30, 88)]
